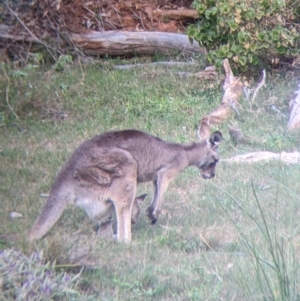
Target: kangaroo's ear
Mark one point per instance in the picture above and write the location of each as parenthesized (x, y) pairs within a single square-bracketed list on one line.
[(204, 129), (140, 198), (215, 138)]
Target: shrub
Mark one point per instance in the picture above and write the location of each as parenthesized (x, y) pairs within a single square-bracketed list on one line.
[(28, 278), (248, 31)]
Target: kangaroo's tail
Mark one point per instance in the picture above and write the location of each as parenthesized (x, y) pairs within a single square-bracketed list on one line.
[(51, 212)]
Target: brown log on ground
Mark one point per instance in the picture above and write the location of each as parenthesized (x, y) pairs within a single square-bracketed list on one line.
[(134, 43), (121, 43)]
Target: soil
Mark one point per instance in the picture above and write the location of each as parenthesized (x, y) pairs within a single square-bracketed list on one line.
[(52, 18)]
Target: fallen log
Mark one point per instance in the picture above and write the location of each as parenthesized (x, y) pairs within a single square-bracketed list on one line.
[(121, 43), (116, 43)]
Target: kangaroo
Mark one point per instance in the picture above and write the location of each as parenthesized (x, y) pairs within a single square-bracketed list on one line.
[(103, 173)]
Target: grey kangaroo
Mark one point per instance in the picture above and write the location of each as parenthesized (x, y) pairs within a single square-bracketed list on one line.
[(102, 176)]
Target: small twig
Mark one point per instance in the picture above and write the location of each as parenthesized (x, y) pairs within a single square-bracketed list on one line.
[(34, 37), (262, 82), (23, 24), (113, 25), (206, 242), (138, 17), (117, 12), (7, 93), (82, 72), (293, 23), (141, 18), (69, 265), (90, 11), (8, 104)]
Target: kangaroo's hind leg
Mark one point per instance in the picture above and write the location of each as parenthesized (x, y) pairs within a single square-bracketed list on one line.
[(111, 174), (122, 194), (123, 200)]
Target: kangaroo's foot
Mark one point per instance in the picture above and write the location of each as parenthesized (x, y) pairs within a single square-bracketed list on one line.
[(152, 216)]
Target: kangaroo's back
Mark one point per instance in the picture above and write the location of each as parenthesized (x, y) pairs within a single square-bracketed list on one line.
[(149, 152), (138, 143)]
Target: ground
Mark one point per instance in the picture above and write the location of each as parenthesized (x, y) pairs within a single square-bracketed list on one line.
[(200, 247), (50, 17)]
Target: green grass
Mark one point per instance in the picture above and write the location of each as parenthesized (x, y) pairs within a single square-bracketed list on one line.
[(199, 249)]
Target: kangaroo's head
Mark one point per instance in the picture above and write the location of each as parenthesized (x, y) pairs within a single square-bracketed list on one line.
[(207, 166), (135, 212)]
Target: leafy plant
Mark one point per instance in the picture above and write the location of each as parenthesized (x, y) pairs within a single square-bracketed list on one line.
[(62, 62), (248, 32), (28, 278)]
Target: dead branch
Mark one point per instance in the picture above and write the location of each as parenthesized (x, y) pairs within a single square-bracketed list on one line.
[(284, 157), (167, 64), (233, 90), (259, 86), (294, 120), (208, 73)]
